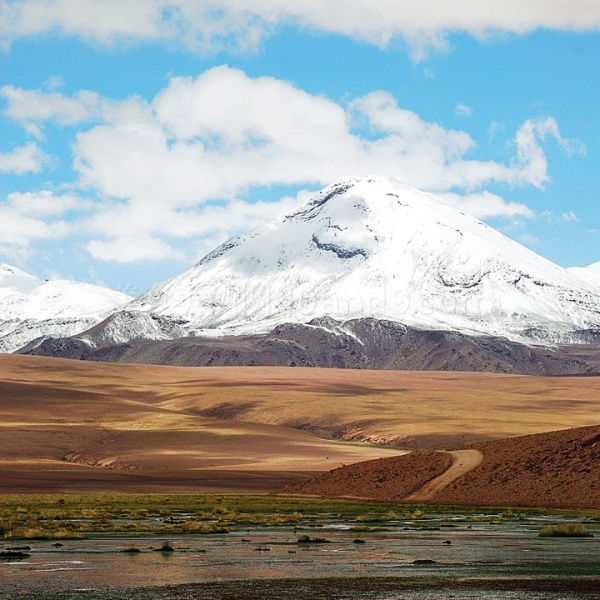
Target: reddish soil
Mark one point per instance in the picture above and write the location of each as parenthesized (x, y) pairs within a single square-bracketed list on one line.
[(560, 469), (385, 480)]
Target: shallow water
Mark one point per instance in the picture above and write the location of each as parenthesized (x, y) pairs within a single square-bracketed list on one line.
[(483, 560)]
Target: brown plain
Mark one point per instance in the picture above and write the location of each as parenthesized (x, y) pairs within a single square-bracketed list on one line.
[(74, 426)]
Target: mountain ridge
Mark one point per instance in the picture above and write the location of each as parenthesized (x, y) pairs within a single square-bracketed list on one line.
[(369, 273)]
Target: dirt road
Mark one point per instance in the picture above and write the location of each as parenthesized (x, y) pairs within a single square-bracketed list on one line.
[(464, 461)]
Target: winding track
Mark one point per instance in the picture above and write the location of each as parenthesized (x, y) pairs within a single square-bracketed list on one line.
[(463, 462)]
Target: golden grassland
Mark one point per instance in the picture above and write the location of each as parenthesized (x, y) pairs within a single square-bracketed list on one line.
[(386, 404), (63, 417)]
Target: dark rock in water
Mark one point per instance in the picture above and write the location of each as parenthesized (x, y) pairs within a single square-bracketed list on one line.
[(424, 561), (13, 555)]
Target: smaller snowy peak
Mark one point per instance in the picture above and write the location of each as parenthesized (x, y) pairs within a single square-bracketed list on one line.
[(68, 299), (16, 280), (589, 274), (31, 308)]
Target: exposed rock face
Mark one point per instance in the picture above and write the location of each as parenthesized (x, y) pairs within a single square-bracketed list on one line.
[(357, 344)]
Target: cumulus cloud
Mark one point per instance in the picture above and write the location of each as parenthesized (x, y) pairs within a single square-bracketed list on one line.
[(32, 107), (214, 25), (130, 234), (176, 166), (24, 159), (131, 248), (44, 203), (25, 218), (223, 132), (485, 205)]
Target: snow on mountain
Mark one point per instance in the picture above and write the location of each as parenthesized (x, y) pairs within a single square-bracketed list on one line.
[(589, 274), (33, 309), (374, 247)]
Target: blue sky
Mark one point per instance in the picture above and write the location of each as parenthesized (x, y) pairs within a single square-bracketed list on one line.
[(138, 134)]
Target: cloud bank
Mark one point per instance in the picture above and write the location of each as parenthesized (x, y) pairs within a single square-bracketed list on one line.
[(176, 167), (216, 25)]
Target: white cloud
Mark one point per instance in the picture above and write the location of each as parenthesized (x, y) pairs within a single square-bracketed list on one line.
[(17, 229), (30, 217), (130, 234), (529, 240), (24, 159), (462, 110), (31, 107), (485, 205), (131, 249), (219, 134), (569, 217), (44, 203), (176, 167), (552, 219), (213, 25)]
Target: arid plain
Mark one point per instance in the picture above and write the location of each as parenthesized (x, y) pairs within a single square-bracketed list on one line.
[(80, 426)]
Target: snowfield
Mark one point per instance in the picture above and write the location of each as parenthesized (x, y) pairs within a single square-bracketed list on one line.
[(377, 247)]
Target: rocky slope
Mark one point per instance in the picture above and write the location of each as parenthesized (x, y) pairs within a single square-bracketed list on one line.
[(356, 344), (560, 469)]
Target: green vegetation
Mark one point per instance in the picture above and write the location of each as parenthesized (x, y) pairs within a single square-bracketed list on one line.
[(71, 516), (566, 530)]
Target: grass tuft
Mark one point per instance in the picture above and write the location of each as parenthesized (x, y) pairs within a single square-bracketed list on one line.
[(566, 530)]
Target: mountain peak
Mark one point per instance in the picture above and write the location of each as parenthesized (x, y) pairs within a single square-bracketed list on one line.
[(377, 247)]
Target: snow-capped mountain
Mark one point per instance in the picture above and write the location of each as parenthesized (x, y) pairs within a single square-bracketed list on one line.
[(32, 309), (589, 274), (369, 247)]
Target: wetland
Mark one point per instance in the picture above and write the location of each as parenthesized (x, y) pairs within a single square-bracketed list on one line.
[(111, 546)]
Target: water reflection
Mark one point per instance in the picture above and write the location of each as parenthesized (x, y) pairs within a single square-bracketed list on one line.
[(463, 551)]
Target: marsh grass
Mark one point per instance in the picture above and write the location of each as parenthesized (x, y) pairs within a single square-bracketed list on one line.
[(574, 530), (52, 516), (41, 533)]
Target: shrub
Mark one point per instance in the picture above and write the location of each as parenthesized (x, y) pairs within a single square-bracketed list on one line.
[(566, 530), (166, 547)]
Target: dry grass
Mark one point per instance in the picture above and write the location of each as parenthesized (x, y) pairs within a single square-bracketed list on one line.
[(566, 530), (139, 418)]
